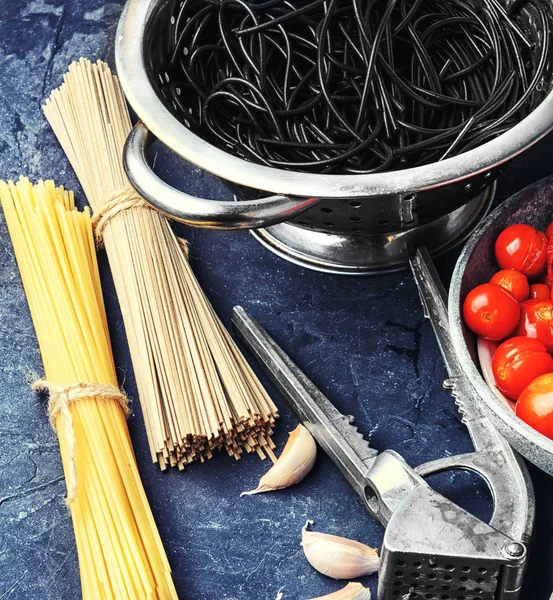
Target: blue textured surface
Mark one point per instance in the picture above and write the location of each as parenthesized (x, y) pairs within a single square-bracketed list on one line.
[(363, 341)]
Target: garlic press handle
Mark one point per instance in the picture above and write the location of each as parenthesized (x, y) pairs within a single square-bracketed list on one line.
[(200, 212), (383, 480), (502, 469), (333, 431)]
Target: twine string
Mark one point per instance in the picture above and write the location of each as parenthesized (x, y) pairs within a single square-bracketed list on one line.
[(126, 199), (61, 397)]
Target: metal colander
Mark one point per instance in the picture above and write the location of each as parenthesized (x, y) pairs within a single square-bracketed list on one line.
[(339, 223)]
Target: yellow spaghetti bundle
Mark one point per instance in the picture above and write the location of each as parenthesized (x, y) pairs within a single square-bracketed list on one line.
[(120, 552)]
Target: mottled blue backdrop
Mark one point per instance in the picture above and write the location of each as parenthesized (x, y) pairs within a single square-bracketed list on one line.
[(363, 341)]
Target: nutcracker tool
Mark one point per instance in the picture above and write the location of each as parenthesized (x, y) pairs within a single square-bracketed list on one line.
[(432, 548)]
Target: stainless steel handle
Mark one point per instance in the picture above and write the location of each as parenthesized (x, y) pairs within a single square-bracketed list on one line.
[(199, 212)]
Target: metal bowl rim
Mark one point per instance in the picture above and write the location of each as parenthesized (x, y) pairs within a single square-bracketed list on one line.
[(528, 438), (142, 97)]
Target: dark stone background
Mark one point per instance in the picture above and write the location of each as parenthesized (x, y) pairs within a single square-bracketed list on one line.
[(362, 340)]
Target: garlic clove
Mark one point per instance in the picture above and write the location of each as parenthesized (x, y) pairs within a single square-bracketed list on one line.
[(338, 557), (352, 591), (295, 462)]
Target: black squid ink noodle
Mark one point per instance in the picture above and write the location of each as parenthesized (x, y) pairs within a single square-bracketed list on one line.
[(354, 86)]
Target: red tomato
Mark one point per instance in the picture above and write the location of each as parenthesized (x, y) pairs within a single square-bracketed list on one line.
[(514, 282), (523, 248), (535, 405), (549, 231), (517, 362), (536, 321), (491, 312), (540, 291)]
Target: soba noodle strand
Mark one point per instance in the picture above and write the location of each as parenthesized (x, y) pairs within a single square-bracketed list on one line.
[(197, 392)]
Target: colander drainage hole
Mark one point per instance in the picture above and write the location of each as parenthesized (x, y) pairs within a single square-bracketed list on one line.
[(355, 204), (355, 219), (385, 222), (326, 210)]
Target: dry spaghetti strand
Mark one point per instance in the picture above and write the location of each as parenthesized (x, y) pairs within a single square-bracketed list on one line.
[(197, 392), (121, 556)]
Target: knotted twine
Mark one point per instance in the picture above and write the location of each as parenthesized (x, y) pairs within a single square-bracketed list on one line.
[(61, 396), (126, 199)]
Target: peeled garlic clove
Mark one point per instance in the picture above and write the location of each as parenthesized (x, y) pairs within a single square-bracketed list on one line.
[(338, 557), (295, 462), (352, 591)]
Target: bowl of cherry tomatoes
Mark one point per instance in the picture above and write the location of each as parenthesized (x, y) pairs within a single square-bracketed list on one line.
[(501, 319)]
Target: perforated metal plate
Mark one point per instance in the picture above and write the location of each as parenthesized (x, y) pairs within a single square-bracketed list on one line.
[(424, 579)]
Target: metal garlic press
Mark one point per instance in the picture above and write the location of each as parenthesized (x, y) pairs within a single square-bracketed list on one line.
[(432, 548)]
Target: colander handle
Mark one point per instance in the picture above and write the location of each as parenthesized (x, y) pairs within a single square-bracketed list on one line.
[(199, 212)]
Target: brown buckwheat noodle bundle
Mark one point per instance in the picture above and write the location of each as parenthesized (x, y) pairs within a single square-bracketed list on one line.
[(196, 390), (121, 556)]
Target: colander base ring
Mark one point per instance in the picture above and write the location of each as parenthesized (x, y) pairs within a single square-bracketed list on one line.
[(355, 254)]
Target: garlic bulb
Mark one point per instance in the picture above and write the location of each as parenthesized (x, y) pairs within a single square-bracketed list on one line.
[(338, 557), (295, 462), (352, 591)]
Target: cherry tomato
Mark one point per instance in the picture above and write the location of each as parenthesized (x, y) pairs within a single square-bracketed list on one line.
[(517, 362), (514, 282), (491, 312), (540, 291), (549, 231), (535, 405), (523, 248), (536, 321)]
